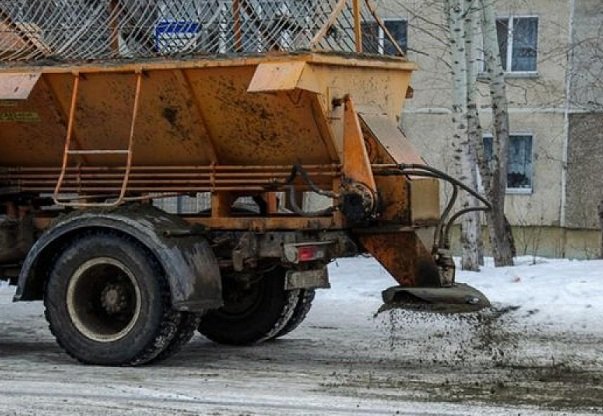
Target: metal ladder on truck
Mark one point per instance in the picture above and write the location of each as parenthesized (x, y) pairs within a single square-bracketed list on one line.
[(83, 200)]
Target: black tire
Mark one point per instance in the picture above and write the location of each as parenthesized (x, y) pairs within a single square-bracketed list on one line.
[(108, 302), (304, 304), (251, 315), (186, 330)]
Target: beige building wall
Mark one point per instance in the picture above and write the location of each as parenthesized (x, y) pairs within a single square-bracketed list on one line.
[(538, 105), (542, 205)]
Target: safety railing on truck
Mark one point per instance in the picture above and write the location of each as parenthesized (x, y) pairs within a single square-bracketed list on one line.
[(66, 31)]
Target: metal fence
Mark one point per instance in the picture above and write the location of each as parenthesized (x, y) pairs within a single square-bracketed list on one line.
[(77, 30)]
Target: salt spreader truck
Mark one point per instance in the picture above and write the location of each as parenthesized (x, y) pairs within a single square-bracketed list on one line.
[(109, 106)]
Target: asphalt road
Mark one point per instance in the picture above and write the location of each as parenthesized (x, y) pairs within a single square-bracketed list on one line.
[(342, 361)]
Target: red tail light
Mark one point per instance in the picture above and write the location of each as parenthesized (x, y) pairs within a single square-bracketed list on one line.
[(309, 253)]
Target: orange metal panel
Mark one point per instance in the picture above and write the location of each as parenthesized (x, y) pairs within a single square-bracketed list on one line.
[(209, 139), (276, 76), (263, 223), (356, 164), (404, 256), (32, 132), (199, 112), (284, 76), (394, 199), (276, 128), (412, 201), (336, 60)]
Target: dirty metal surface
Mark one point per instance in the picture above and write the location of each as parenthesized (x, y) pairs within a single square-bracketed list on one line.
[(189, 263), (196, 116), (193, 117)]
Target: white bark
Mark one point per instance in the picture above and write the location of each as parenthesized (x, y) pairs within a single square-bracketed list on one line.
[(463, 156), (474, 128)]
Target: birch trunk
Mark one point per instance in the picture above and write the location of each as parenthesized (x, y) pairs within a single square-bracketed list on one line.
[(461, 148), (474, 128), (494, 174)]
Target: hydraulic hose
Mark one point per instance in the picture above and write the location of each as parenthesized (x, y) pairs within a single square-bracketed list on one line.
[(442, 232)]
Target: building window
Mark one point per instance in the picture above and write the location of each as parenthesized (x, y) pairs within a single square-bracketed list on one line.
[(519, 163), (375, 41), (518, 42)]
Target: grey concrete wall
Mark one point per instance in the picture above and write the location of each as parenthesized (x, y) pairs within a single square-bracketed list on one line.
[(585, 170), (587, 57), (585, 139), (546, 242)]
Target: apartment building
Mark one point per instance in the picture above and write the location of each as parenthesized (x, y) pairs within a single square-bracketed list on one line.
[(552, 52)]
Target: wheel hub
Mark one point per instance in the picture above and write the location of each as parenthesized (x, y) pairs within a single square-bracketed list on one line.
[(241, 300), (103, 299), (114, 298)]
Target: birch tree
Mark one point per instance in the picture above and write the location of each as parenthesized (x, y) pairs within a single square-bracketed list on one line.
[(494, 171), (460, 26), (465, 21), (474, 128)]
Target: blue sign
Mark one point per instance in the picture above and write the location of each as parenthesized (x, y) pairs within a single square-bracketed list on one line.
[(177, 28)]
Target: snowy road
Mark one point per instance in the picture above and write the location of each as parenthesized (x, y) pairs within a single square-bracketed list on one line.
[(544, 358)]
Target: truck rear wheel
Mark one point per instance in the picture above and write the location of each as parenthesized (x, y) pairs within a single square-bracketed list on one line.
[(186, 330), (252, 313), (108, 302), (303, 306)]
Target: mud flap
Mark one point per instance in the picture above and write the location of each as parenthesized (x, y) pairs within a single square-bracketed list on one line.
[(460, 298)]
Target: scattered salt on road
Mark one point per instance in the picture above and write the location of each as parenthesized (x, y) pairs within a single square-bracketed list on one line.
[(544, 356)]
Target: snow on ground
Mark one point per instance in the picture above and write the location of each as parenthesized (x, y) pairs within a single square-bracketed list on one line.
[(559, 292), (555, 299), (538, 351), (563, 293)]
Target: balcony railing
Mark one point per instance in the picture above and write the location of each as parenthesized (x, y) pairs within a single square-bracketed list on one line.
[(64, 31)]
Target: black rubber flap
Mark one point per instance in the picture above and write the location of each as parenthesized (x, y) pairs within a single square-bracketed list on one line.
[(460, 298)]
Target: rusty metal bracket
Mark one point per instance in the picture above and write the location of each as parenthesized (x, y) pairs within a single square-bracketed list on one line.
[(356, 163)]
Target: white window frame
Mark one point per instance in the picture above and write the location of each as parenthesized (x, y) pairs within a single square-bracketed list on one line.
[(520, 191), (511, 22)]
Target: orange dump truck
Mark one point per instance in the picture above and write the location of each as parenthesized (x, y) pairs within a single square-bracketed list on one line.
[(107, 107)]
